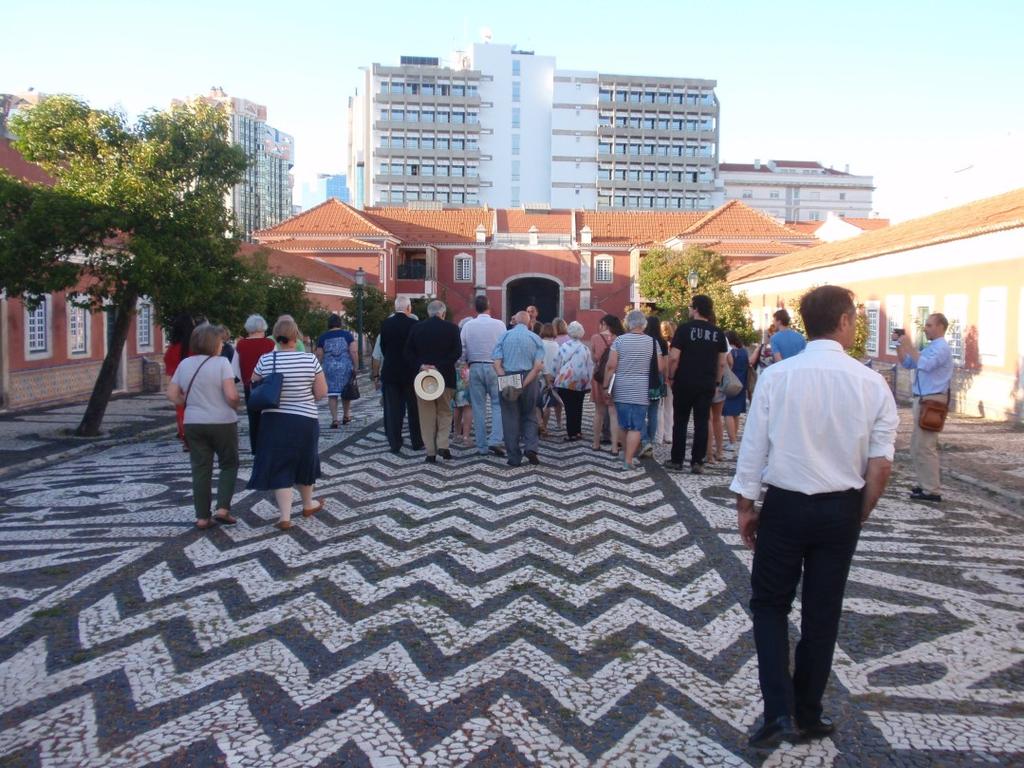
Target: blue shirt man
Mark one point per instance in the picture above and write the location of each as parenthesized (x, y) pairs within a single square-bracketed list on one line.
[(520, 351), (785, 341), (934, 374)]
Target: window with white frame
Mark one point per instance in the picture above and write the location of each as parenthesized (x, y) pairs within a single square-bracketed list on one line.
[(872, 310), (463, 268), (78, 328), (955, 310), (893, 319), (992, 326), (37, 329), (603, 269), (144, 327)]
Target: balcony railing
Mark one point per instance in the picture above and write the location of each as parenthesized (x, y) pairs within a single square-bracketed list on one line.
[(414, 270)]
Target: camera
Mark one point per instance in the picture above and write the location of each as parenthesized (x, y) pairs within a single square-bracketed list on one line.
[(897, 333)]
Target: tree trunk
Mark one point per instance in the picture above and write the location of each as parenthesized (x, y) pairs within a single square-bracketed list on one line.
[(104, 387)]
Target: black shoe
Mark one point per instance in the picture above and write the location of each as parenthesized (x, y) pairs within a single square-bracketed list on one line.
[(916, 489), (771, 734), (922, 496), (673, 466), (497, 450), (531, 456), (696, 469), (514, 463), (444, 453), (396, 451), (430, 460), (419, 447), (819, 730)]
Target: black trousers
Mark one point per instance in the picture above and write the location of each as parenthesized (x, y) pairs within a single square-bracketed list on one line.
[(816, 536), (684, 400), (573, 400), (399, 401), (254, 421)]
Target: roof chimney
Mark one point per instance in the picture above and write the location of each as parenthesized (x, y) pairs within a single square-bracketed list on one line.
[(586, 234), (847, 168), (757, 163), (481, 233), (534, 232)]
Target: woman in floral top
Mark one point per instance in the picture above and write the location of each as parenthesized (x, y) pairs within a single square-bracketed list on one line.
[(574, 370)]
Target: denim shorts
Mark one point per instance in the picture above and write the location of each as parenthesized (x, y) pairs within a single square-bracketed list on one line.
[(631, 417)]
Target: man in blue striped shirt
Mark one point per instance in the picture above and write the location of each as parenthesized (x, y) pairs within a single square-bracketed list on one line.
[(934, 372), (520, 351)]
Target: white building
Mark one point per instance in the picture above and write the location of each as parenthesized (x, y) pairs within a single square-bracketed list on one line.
[(505, 128), (797, 190)]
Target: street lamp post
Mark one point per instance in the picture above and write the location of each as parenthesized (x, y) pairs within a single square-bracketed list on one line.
[(360, 282), (693, 279)]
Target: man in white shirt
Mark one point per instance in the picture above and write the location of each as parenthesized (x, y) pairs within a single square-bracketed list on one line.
[(820, 434), (479, 337)]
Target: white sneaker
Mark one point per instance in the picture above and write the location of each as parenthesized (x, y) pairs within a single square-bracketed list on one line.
[(647, 450)]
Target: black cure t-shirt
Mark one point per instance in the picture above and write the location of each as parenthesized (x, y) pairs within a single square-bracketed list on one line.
[(699, 344)]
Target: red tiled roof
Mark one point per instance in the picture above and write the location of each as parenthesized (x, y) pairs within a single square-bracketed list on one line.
[(736, 220), (774, 248), (867, 224), (745, 167), (798, 164), (325, 244), (806, 227), (448, 225), (294, 265), (330, 217), (12, 161), (992, 214), (518, 221), (635, 227)]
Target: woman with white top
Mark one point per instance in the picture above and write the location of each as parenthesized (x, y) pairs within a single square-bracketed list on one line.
[(629, 365), (287, 453), (204, 385)]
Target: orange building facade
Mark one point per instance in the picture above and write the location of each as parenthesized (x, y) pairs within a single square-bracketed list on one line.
[(967, 263)]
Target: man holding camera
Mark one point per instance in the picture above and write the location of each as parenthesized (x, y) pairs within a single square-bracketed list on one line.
[(934, 372)]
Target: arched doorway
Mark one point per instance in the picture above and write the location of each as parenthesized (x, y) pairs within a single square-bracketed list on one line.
[(542, 292)]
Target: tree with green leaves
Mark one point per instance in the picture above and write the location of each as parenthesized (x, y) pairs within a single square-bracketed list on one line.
[(137, 210), (664, 279)]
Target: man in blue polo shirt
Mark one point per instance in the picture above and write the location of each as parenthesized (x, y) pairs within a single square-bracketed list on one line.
[(520, 351), (934, 372), (785, 341)]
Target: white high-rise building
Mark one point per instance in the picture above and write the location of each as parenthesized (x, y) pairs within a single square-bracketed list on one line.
[(506, 128)]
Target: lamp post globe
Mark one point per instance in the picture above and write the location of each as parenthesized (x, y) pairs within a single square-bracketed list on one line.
[(693, 279)]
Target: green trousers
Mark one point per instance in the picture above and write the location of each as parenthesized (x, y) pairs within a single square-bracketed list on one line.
[(205, 441)]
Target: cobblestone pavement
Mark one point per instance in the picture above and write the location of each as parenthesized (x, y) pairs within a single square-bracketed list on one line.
[(471, 614)]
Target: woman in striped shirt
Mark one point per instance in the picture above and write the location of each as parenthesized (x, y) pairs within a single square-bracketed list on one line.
[(287, 453)]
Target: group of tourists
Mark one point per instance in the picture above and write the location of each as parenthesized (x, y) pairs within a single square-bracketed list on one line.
[(820, 433)]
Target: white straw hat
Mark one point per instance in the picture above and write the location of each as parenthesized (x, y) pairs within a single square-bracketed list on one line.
[(429, 384)]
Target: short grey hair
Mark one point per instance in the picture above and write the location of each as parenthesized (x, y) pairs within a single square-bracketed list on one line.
[(436, 308), (576, 330), (636, 319), (402, 303), (255, 323)]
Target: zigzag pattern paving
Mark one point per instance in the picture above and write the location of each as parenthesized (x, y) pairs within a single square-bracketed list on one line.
[(472, 614)]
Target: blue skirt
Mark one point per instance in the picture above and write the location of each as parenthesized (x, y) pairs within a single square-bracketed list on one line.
[(286, 452)]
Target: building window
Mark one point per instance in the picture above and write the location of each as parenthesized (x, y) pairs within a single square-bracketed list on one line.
[(515, 67), (893, 319), (815, 216), (515, 143), (992, 326), (515, 117), (774, 194), (78, 328), (956, 313), (515, 197), (144, 327), (515, 170), (515, 90), (842, 195), (37, 329), (603, 269), (463, 268), (747, 194), (872, 310)]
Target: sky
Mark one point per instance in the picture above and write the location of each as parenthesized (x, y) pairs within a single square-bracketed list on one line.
[(924, 96)]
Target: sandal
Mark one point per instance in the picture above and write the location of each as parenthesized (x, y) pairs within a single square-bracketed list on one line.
[(283, 525), (204, 523), (334, 424), (225, 519), (313, 510), (347, 420)]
